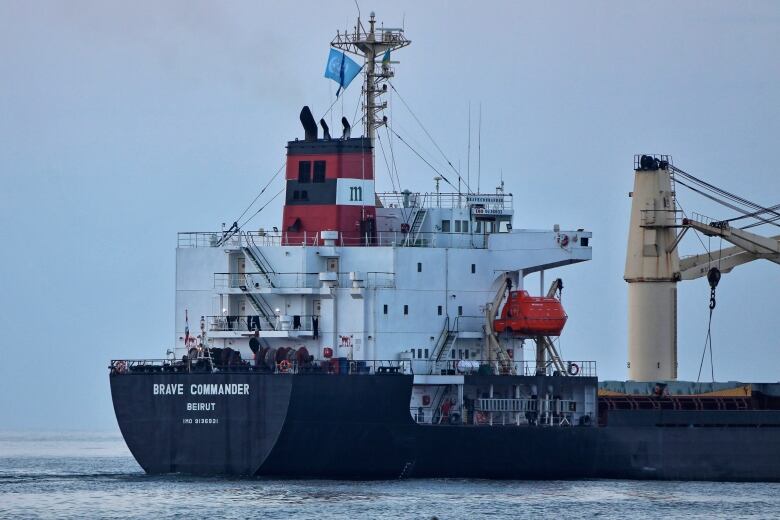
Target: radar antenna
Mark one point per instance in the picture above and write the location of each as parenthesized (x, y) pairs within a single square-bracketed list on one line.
[(372, 45)]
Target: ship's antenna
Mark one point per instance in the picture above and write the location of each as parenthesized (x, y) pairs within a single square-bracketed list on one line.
[(373, 45), (468, 152), (358, 8), (479, 147)]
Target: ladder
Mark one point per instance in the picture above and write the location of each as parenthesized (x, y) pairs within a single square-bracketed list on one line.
[(262, 265), (444, 342), (436, 417), (407, 470), (414, 231), (259, 260), (261, 306)]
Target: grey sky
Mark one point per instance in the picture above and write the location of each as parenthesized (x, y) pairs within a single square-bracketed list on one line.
[(123, 123)]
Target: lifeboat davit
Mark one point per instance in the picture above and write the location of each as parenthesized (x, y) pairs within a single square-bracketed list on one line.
[(526, 315)]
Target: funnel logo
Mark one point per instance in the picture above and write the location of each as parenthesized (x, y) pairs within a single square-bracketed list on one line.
[(355, 192)]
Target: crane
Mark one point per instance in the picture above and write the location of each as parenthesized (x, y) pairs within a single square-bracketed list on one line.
[(653, 266)]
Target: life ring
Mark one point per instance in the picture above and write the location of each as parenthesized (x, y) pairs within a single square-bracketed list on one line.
[(564, 240), (284, 366), (573, 369), (405, 228)]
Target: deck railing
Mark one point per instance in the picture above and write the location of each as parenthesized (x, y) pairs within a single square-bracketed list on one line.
[(295, 280), (344, 366), (492, 201), (249, 323), (495, 367), (207, 365), (467, 240)]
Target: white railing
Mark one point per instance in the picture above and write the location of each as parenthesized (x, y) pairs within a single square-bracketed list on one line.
[(229, 323), (249, 281), (493, 203), (518, 368), (468, 240)]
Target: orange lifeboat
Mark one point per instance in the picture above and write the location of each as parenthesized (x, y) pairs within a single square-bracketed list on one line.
[(526, 315)]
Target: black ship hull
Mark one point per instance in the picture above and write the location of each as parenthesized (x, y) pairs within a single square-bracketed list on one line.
[(360, 427)]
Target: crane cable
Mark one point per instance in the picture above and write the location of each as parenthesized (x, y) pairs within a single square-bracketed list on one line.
[(432, 167), (713, 277), (724, 194), (735, 208), (261, 191), (263, 207), (431, 138)]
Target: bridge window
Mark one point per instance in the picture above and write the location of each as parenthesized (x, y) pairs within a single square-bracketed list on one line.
[(385, 308), (478, 226), (464, 226), (460, 310), (426, 353), (304, 171), (296, 195), (304, 195), (445, 226), (406, 309), (419, 267), (319, 171), (439, 310), (457, 226), (473, 268), (419, 353)]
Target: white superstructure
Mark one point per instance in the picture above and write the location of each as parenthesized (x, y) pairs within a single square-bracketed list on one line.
[(371, 278)]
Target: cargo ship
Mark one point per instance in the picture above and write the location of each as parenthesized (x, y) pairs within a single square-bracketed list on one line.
[(380, 335)]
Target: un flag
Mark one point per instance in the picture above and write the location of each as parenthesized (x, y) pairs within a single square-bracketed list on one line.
[(341, 68)]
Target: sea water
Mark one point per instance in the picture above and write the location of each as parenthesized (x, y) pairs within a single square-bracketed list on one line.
[(92, 475)]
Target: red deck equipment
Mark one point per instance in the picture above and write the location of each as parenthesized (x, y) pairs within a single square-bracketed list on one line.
[(526, 315)]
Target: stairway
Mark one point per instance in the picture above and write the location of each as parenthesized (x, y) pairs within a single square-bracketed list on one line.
[(263, 309), (265, 270), (443, 344), (436, 417), (257, 258), (447, 346), (414, 231)]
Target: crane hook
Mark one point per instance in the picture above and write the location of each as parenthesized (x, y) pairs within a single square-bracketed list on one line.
[(713, 276)]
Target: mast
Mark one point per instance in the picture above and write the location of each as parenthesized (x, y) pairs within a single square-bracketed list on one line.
[(372, 45)]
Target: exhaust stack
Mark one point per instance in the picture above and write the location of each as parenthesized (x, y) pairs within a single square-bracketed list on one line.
[(309, 125)]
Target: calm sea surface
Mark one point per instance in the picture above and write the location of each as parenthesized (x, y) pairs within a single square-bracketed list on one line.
[(92, 475)]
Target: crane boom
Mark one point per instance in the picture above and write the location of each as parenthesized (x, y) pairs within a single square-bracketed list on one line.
[(758, 246)]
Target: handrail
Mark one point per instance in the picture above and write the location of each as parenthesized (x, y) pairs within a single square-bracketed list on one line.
[(378, 367), (496, 367), (441, 340), (240, 323), (284, 280), (426, 200), (262, 262), (452, 239)]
